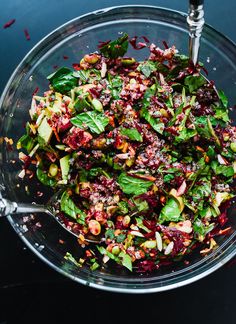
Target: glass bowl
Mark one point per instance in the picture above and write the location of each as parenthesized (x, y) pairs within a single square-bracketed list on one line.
[(79, 36)]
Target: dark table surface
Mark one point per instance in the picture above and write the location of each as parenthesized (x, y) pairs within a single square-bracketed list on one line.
[(31, 292)]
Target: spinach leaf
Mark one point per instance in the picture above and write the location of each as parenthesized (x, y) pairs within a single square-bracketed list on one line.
[(63, 80), (96, 122), (126, 260), (120, 238), (132, 133), (110, 233), (147, 68), (83, 75), (200, 228), (140, 205), (154, 122), (185, 135), (168, 177), (225, 170), (205, 129), (26, 142), (223, 98), (116, 48), (222, 113), (70, 208), (170, 212), (194, 82), (94, 172), (201, 191), (132, 185), (44, 178), (82, 102), (123, 207)]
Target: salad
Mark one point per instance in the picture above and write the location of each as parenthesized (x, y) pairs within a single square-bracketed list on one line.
[(144, 152)]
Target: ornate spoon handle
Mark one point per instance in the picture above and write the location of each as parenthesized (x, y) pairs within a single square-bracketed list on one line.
[(195, 22)]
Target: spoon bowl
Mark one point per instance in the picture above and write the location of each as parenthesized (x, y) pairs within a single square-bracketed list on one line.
[(8, 207)]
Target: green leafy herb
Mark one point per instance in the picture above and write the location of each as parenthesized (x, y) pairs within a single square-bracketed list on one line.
[(70, 208), (185, 135), (132, 185), (223, 98), (82, 102), (168, 177), (221, 113), (70, 258), (147, 68), (170, 212), (205, 129), (63, 80), (194, 82), (126, 260), (26, 142), (123, 207), (109, 234), (154, 122), (200, 228), (132, 134), (116, 48), (94, 172), (44, 178), (140, 205), (96, 122), (120, 238), (225, 170)]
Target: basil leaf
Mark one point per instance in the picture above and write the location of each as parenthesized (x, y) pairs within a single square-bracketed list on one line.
[(132, 134), (170, 212), (63, 80), (126, 260), (194, 82), (70, 208), (147, 68), (44, 178), (132, 185), (116, 48), (96, 122)]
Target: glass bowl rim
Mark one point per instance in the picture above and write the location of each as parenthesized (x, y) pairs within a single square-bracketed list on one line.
[(184, 282)]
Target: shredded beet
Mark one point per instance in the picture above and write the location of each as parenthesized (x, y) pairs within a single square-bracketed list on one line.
[(27, 35), (36, 90), (137, 45), (76, 66), (9, 23)]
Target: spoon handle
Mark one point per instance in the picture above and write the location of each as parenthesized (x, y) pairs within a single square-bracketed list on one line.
[(8, 207), (195, 20)]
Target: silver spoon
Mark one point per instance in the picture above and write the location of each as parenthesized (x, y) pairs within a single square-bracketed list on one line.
[(195, 20), (8, 207)]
